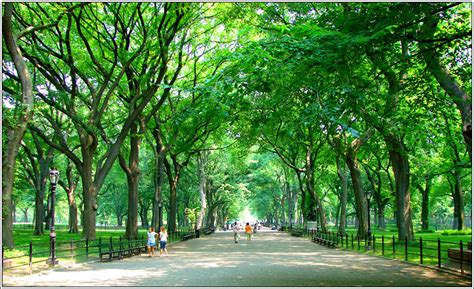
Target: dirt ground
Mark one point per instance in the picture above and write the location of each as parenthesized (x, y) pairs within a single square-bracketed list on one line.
[(270, 259)]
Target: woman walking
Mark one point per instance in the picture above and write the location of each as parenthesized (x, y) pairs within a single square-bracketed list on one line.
[(163, 241), (151, 243)]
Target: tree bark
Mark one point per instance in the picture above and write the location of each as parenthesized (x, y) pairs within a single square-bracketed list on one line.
[(359, 195), (202, 161), (160, 154), (173, 182), (71, 192), (341, 172), (89, 188), (401, 170), (425, 206), (458, 201), (133, 173), (15, 132)]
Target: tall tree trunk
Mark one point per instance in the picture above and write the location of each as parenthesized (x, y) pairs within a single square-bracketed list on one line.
[(458, 200), (202, 161), (133, 173), (39, 213), (173, 182), (70, 189), (381, 218), (359, 194), (401, 171), (89, 195), (341, 172), (15, 131), (25, 215), (160, 154), (425, 203)]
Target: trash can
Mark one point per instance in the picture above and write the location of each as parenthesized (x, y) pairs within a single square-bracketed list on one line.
[(197, 233)]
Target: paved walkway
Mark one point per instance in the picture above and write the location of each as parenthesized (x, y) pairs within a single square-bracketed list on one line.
[(270, 259)]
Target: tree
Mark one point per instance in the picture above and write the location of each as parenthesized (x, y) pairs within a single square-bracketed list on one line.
[(16, 124)]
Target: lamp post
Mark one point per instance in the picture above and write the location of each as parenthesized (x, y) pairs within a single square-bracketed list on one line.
[(369, 233), (53, 177), (160, 214)]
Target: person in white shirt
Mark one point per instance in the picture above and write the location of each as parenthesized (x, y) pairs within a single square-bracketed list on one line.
[(163, 241), (151, 242), (236, 232)]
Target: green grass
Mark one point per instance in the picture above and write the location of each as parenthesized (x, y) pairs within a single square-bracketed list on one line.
[(429, 244), (41, 244)]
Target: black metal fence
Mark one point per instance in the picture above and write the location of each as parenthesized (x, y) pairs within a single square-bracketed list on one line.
[(34, 256), (435, 253)]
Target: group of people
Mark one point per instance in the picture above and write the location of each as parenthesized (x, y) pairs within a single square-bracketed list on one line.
[(151, 243), (248, 231)]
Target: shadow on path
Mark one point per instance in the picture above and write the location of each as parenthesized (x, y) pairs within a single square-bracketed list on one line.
[(270, 259)]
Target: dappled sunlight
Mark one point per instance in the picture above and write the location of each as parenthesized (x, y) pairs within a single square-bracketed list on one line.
[(271, 259)]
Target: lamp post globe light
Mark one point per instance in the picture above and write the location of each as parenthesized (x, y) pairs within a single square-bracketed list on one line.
[(54, 178)]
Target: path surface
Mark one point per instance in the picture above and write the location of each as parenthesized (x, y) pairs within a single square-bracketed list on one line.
[(270, 259)]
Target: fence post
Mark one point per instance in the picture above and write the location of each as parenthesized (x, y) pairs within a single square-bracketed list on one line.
[(352, 241), (383, 246), (439, 253), (393, 246), (87, 248), (30, 257), (406, 248), (421, 250), (373, 243), (461, 251), (365, 242), (358, 243)]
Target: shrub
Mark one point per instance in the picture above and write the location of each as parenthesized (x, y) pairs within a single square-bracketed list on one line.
[(456, 232), (426, 231)]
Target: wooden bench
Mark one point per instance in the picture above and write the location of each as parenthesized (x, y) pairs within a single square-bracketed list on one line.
[(187, 236), (125, 249), (325, 242), (107, 249), (297, 233), (137, 246), (454, 254), (208, 231), (119, 250)]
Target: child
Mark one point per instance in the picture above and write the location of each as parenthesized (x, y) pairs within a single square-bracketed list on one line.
[(151, 243), (248, 231), (163, 240), (235, 229)]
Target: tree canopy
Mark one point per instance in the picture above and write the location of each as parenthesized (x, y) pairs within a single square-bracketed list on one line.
[(187, 114)]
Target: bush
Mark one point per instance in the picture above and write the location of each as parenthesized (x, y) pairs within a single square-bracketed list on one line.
[(456, 232), (426, 231)]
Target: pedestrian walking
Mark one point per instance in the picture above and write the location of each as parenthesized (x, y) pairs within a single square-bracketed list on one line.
[(151, 242), (236, 229), (248, 231), (163, 241)]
